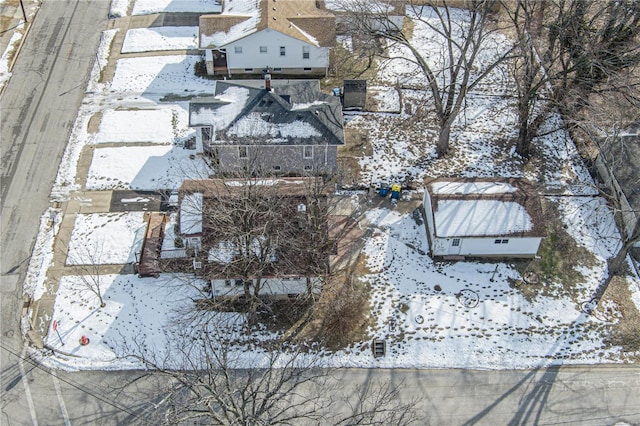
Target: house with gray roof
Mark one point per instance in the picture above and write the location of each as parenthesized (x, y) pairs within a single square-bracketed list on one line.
[(285, 127), (286, 36)]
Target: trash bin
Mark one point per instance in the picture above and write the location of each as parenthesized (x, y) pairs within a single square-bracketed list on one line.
[(384, 189), (337, 91), (395, 191)]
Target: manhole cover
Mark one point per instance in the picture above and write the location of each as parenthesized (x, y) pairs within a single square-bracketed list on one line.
[(468, 298), (419, 319)]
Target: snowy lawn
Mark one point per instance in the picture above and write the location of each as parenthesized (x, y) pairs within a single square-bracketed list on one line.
[(106, 238), (154, 125), (146, 7), (160, 75), (480, 317), (160, 38), (136, 309), (144, 168)]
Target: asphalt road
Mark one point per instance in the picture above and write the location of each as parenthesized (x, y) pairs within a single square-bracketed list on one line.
[(37, 110), (599, 395)]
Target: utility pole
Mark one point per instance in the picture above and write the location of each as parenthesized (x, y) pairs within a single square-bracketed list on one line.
[(24, 14)]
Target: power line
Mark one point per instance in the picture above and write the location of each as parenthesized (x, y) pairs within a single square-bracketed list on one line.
[(68, 381)]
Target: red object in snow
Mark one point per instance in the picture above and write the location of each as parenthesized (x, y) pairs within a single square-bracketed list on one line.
[(55, 325), (84, 340)]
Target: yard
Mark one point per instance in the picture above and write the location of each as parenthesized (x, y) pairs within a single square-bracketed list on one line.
[(466, 314)]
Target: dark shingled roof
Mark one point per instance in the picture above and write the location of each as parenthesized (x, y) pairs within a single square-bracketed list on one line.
[(287, 102)]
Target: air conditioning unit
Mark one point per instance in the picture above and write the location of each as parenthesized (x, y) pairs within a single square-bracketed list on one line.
[(197, 264)]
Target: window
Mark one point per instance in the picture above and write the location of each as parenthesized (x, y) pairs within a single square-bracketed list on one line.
[(276, 168), (505, 241), (282, 51), (206, 134), (243, 152), (307, 168), (455, 242), (227, 283), (238, 282), (305, 52), (277, 69), (497, 241), (306, 69), (263, 49), (248, 70), (307, 152), (237, 49)]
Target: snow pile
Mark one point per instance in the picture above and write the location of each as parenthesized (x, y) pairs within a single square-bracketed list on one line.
[(118, 8), (101, 62), (14, 42)]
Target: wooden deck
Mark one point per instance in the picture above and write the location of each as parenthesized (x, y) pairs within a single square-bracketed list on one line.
[(152, 245)]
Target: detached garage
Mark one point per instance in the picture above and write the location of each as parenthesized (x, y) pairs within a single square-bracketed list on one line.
[(482, 218)]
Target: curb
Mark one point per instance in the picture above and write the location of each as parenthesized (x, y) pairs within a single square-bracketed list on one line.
[(19, 48)]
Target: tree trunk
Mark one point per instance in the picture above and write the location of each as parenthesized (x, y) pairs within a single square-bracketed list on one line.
[(523, 144), (443, 139)]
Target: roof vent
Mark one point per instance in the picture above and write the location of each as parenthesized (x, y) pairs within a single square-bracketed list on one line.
[(274, 18)]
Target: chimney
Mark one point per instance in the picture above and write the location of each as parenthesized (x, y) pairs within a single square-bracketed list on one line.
[(267, 82)]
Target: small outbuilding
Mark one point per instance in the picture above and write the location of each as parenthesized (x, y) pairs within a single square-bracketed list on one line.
[(482, 218), (354, 94)]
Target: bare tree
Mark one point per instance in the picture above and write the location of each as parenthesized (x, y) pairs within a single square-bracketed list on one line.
[(88, 263), (571, 49), (254, 228), (455, 74), (528, 75), (212, 381)]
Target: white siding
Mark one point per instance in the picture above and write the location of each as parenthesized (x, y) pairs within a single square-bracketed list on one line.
[(486, 246), (252, 58), (270, 287)]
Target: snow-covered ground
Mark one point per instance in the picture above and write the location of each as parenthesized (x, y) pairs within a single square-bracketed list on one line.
[(478, 319), (146, 7), (161, 126), (160, 75), (160, 38), (8, 53), (145, 168), (106, 238)]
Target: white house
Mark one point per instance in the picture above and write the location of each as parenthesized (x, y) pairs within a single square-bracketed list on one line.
[(482, 218), (285, 36), (275, 287)]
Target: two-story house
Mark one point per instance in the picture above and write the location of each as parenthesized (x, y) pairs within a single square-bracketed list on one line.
[(257, 231), (281, 127), (287, 36)]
